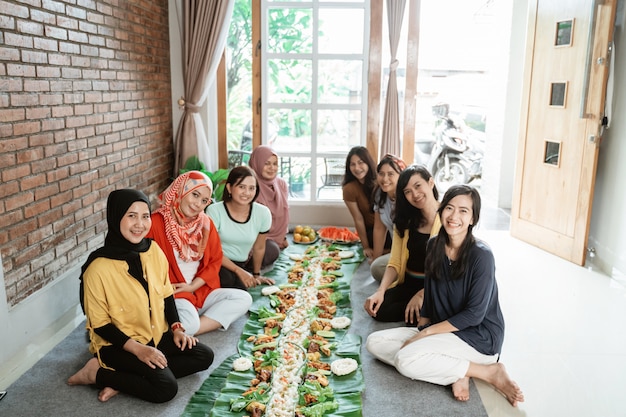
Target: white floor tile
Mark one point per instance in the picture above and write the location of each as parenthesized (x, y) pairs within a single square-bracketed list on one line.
[(565, 339)]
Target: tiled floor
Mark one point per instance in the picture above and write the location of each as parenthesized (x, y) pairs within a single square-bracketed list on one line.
[(565, 339)]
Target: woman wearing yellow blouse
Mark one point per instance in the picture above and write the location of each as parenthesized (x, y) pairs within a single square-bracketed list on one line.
[(139, 345)]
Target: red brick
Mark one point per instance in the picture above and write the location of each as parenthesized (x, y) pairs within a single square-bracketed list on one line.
[(60, 199), (27, 183), (19, 200), (29, 155), (26, 127), (38, 113), (56, 149), (17, 70), (40, 140), (22, 229), (10, 218), (46, 191), (50, 217), (36, 209), (14, 172), (12, 145)]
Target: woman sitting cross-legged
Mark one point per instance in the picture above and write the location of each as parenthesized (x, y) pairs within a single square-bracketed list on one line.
[(192, 245), (242, 225), (400, 293), (461, 327), (139, 344)]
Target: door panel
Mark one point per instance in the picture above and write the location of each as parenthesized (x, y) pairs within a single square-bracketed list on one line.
[(562, 113)]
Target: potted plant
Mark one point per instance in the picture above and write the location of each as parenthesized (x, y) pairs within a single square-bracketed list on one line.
[(218, 178), (299, 176)]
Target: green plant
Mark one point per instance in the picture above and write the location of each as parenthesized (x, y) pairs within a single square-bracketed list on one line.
[(218, 178)]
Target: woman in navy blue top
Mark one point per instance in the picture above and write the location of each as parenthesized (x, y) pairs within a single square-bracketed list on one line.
[(461, 327)]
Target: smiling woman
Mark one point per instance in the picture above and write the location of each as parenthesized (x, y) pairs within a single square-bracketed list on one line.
[(243, 225), (192, 246)]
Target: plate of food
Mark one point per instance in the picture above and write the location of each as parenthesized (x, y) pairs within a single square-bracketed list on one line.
[(334, 234), (304, 235)]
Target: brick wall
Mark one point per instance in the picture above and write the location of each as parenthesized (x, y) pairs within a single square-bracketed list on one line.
[(84, 109)]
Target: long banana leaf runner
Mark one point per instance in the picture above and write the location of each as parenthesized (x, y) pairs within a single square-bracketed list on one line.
[(213, 398)]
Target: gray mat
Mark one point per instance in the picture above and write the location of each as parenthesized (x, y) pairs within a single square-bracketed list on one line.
[(42, 390)]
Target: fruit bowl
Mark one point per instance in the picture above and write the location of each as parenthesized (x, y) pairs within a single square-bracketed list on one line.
[(304, 235)]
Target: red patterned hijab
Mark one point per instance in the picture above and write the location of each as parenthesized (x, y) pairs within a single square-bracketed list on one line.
[(187, 235)]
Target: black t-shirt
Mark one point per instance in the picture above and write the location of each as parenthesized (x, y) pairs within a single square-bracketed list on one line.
[(417, 252)]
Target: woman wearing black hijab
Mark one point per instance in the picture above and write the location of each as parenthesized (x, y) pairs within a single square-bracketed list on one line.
[(139, 344)]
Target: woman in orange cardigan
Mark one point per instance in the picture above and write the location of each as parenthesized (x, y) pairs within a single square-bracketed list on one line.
[(194, 252)]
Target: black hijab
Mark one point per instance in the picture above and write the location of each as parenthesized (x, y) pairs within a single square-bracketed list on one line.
[(115, 245)]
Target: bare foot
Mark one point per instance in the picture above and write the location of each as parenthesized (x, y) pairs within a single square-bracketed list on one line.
[(107, 393), (460, 389), (87, 375), (501, 380)]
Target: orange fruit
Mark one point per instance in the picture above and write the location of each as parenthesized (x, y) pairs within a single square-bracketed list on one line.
[(312, 235), (297, 237), (298, 229), (305, 239)]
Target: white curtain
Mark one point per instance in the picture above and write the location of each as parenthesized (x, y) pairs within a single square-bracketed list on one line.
[(390, 142), (205, 30)]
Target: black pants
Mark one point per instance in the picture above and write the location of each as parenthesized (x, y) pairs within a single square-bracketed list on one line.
[(134, 377), (396, 300)]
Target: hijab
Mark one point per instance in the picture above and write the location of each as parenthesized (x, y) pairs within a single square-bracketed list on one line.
[(115, 244), (187, 235), (271, 194)]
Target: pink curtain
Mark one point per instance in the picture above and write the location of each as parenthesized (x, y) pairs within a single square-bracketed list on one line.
[(204, 32), (390, 142)]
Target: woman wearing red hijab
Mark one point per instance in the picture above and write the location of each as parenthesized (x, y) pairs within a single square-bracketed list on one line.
[(273, 192), (192, 245)]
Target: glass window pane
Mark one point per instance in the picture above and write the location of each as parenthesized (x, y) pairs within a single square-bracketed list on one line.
[(297, 172), (338, 130), (335, 37), (330, 174), (289, 80), (289, 30), (340, 81), (294, 129)]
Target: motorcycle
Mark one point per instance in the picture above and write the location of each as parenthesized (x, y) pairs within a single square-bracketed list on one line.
[(457, 153)]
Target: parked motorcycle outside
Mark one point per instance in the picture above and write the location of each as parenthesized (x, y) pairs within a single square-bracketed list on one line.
[(457, 152)]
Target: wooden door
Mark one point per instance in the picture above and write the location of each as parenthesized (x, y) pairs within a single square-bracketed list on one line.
[(566, 71)]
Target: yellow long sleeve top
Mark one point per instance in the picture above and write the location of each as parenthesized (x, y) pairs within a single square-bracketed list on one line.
[(112, 295), (400, 254)]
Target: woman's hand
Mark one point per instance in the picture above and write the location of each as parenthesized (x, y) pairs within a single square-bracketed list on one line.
[(412, 311), (373, 302), (265, 280), (369, 254), (284, 243), (183, 340), (247, 278), (149, 355), (182, 287)]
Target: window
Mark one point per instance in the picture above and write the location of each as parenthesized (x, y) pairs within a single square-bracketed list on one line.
[(313, 86)]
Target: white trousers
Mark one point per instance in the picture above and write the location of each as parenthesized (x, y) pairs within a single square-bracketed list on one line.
[(224, 305), (440, 359), (378, 266)]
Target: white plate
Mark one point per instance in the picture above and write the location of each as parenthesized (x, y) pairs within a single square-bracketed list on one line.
[(272, 289), (346, 254), (295, 256)]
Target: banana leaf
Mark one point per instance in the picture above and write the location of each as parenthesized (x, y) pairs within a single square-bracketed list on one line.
[(213, 398)]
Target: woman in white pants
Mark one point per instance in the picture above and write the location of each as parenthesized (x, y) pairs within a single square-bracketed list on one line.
[(461, 327), (193, 249)]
